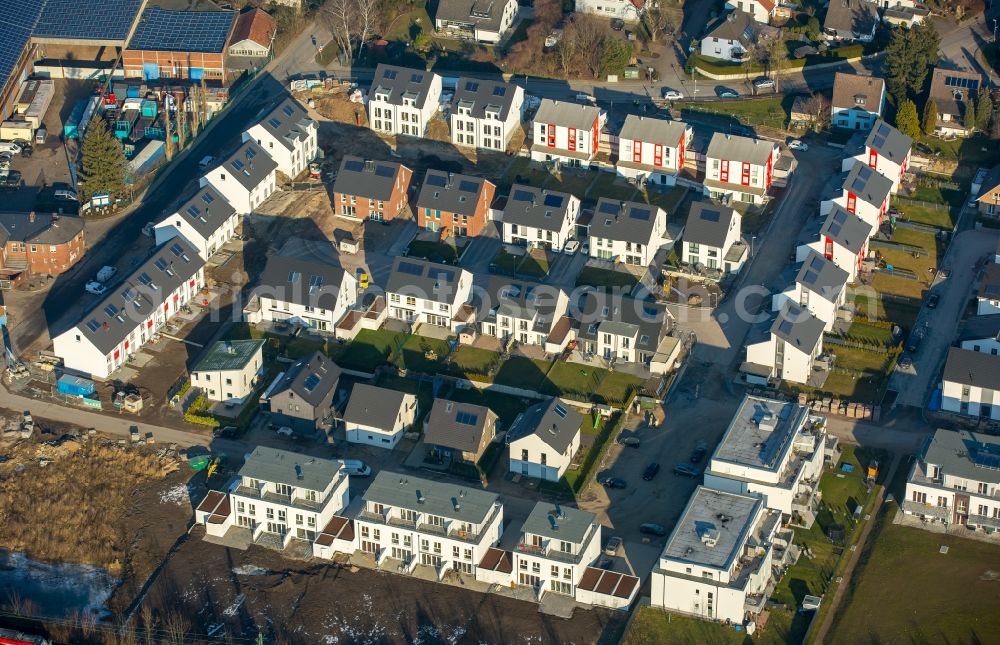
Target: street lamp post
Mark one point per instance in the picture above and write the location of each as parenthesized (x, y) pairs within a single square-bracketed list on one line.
[(994, 30), (753, 238)]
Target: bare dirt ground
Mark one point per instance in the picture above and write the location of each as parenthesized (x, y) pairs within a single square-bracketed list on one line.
[(299, 602)]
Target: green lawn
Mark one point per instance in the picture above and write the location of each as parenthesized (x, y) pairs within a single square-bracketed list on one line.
[(673, 202), (603, 278), (526, 373), (857, 359), (573, 378), (424, 389), (530, 264), (870, 332), (434, 251), (901, 313), (574, 183), (414, 354), (472, 362), (902, 259), (652, 626), (406, 25), (612, 186), (929, 215), (767, 110), (368, 349), (615, 387)]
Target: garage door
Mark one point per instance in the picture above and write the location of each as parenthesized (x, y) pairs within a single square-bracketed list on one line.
[(150, 71)]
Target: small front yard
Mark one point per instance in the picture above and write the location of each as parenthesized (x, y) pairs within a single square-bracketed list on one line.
[(605, 279), (902, 259), (612, 186), (422, 354), (472, 363), (653, 626), (752, 111), (903, 313), (930, 215), (576, 379), (869, 332), (445, 252), (676, 202), (533, 263)]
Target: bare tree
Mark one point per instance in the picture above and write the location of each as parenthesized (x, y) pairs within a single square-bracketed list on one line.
[(589, 34), (777, 59), (657, 21), (819, 109), (340, 17), (566, 49), (369, 19)]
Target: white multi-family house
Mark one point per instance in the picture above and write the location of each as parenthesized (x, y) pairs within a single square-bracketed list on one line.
[(484, 22), (305, 292), (628, 10), (858, 101), (128, 316), (414, 521), (712, 237), (621, 329), (956, 480), (717, 563), (820, 287), (652, 150), (788, 349), (544, 439), (377, 416), (988, 295), (739, 167), (419, 291), (760, 10), (558, 544), (245, 179), (865, 192), (843, 239), (229, 370), (731, 37), (567, 133), (539, 218), (775, 450), (288, 135), (970, 384), (277, 496), (627, 232), (206, 220), (529, 312), (402, 100), (886, 150), (485, 113)]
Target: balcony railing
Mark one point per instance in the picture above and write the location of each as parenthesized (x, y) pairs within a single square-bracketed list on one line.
[(549, 554), (277, 498)]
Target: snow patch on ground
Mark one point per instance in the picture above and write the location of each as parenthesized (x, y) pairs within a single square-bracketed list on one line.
[(250, 570), (232, 609), (175, 495)]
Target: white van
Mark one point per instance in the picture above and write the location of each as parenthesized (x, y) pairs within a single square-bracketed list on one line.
[(356, 468), (10, 146)]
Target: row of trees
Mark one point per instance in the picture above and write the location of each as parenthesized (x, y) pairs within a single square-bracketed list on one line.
[(352, 22), (908, 59)]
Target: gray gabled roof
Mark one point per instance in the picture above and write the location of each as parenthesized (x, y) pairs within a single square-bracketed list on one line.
[(205, 211), (708, 223), (401, 81), (552, 421), (624, 221), (850, 18), (423, 279), (798, 327), (310, 378), (981, 327), (536, 207), (302, 282), (559, 522), (39, 228), (118, 313), (736, 148), (249, 164), (846, 229), (867, 184), (566, 114), (602, 312), (370, 179), (460, 502), (486, 15), (889, 142), (480, 94), (288, 122), (861, 91), (964, 454), (522, 299), (459, 426), (452, 193), (968, 367), (291, 468), (822, 277), (374, 406), (653, 130), (737, 26)]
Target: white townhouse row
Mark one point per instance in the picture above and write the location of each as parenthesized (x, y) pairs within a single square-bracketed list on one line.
[(970, 384), (713, 237), (740, 168), (419, 291), (787, 349), (566, 133), (539, 218), (245, 178), (306, 292), (885, 150), (206, 219), (652, 150), (627, 232), (128, 316), (843, 239), (288, 136), (529, 312), (820, 287), (865, 192), (402, 100), (760, 10), (485, 113)]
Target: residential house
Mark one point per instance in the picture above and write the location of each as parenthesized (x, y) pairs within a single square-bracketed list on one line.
[(402, 100), (543, 440), (843, 240), (566, 133), (652, 150), (820, 287), (228, 370), (620, 329), (739, 168), (414, 521), (789, 348), (454, 205), (981, 334), (886, 150), (189, 45), (988, 201), (864, 192), (988, 295), (905, 16), (712, 237), (557, 545), (760, 10), (772, 449), (530, 313), (731, 37), (858, 100), (369, 189), (378, 416), (288, 135), (304, 292), (955, 480), (485, 113), (953, 92), (628, 232), (253, 34), (245, 179), (206, 220), (627, 10), (300, 397), (419, 291), (39, 244), (539, 218), (278, 496), (717, 563), (131, 313), (484, 22), (459, 431), (970, 384), (850, 21)]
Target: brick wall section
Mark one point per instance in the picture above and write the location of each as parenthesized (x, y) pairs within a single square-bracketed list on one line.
[(392, 208)]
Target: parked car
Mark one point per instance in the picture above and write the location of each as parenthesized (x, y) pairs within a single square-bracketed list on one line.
[(617, 24), (95, 288), (699, 452), (106, 273), (905, 362), (670, 94), (763, 82), (10, 146), (932, 301), (614, 543), (630, 442), (572, 247), (26, 148), (653, 529), (724, 92), (65, 196), (229, 432), (356, 468), (586, 98), (285, 431), (686, 470), (613, 482), (362, 277), (205, 162), (651, 471), (796, 144), (585, 249), (10, 179)]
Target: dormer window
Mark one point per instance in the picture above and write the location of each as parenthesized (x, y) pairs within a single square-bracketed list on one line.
[(860, 99)]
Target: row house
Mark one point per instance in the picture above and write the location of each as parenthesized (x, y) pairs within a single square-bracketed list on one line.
[(288, 135), (820, 287), (539, 218), (620, 329), (717, 563), (885, 150), (981, 334), (627, 232), (865, 193), (301, 397), (544, 439), (277, 496), (988, 294), (229, 370), (419, 291), (369, 189), (955, 480), (530, 313), (245, 179), (970, 384), (454, 205), (129, 315), (378, 416), (557, 545), (39, 244), (304, 292), (858, 101), (843, 239), (772, 449), (206, 219), (485, 113), (566, 133), (739, 168), (402, 100), (713, 238), (787, 350), (652, 150)]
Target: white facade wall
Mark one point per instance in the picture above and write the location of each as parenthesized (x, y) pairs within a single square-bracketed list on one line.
[(533, 237), (723, 48), (983, 345), (797, 364), (275, 310), (178, 224), (986, 306), (939, 493), (970, 400), (243, 200), (756, 10), (713, 257), (413, 309), (755, 482), (263, 515), (291, 162), (609, 248), (489, 132), (409, 119), (841, 256), (870, 213), (228, 385), (383, 438), (583, 142), (853, 117), (550, 565), (555, 464), (889, 169), (692, 596), (622, 9), (819, 306)]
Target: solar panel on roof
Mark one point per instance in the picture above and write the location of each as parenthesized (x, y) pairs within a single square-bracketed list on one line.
[(207, 198), (416, 78), (275, 123), (193, 211), (467, 186), (466, 418), (499, 90), (609, 207), (987, 460), (161, 264), (560, 411), (642, 214), (555, 201), (93, 325), (384, 171), (835, 228), (522, 196), (959, 81), (237, 164), (711, 216), (111, 310), (354, 165), (251, 153), (817, 263), (287, 109), (311, 382), (471, 86), (437, 180), (105, 20), (176, 249), (410, 268), (810, 277), (145, 279), (389, 74), (785, 327), (182, 31)]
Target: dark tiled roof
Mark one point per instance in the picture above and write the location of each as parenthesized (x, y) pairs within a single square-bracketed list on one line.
[(555, 423), (374, 406), (459, 426), (478, 94), (968, 367), (452, 193), (401, 81), (311, 378), (536, 207), (624, 221), (708, 223), (206, 210), (287, 122), (302, 282), (40, 228), (423, 279), (249, 164), (367, 178)]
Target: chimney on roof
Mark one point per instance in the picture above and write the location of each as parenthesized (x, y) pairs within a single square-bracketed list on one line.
[(369, 165), (455, 504), (298, 472), (31, 216)]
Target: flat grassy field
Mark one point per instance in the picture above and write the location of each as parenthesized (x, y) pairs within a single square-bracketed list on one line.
[(603, 278), (870, 332), (413, 355), (903, 260), (655, 627), (612, 186), (573, 378), (940, 217), (434, 251), (472, 362), (858, 359), (901, 313), (369, 348), (518, 371)]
